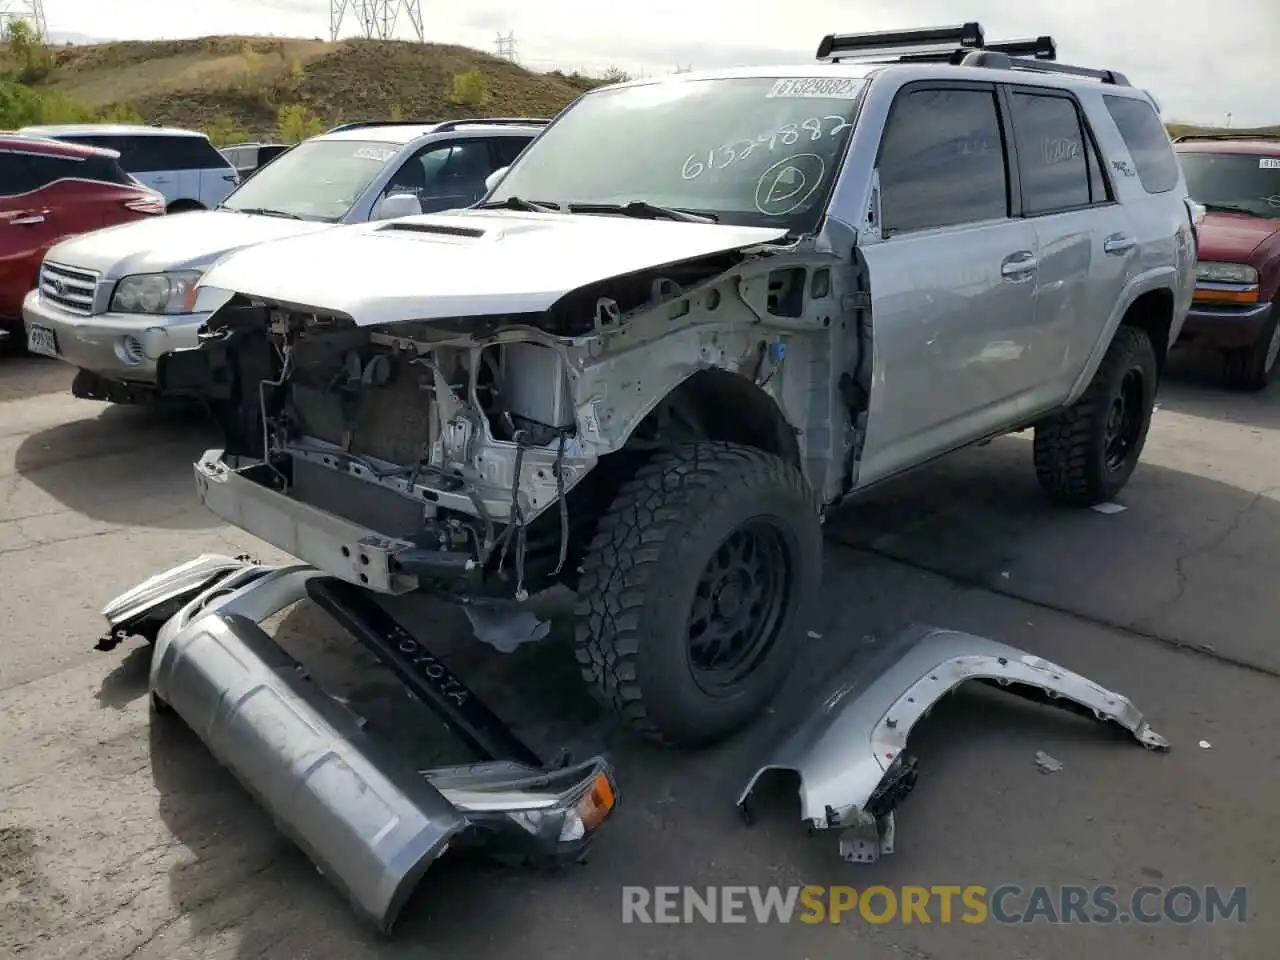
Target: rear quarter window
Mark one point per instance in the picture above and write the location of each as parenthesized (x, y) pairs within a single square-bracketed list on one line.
[(1148, 142)]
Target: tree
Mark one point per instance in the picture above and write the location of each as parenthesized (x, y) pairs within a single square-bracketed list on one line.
[(616, 75), (470, 89), (26, 46), (294, 123)]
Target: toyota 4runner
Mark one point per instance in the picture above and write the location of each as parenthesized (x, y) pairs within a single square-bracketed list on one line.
[(692, 315)]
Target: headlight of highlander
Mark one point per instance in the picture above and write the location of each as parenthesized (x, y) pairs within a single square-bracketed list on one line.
[(159, 293), (1226, 273)]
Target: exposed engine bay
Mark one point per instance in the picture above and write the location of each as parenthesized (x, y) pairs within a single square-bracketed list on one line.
[(420, 430)]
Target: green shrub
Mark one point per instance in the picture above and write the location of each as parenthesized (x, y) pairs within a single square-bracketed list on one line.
[(470, 89)]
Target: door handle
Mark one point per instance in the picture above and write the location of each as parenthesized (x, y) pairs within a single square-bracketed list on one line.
[(1019, 266), (1118, 243), (27, 221)]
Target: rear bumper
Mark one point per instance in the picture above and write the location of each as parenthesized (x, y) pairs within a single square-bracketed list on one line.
[(1224, 328), (120, 346)]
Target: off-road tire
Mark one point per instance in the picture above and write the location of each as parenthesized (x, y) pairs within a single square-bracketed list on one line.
[(1249, 369), (1070, 446), (642, 570)]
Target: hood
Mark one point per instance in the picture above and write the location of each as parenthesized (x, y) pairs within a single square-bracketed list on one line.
[(466, 262), (175, 241), (1234, 237)]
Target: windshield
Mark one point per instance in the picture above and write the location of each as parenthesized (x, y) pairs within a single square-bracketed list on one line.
[(1234, 182), (316, 180), (758, 151)]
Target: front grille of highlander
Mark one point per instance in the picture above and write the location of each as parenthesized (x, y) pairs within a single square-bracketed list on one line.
[(70, 288)]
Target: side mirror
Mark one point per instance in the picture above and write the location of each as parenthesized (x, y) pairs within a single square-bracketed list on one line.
[(397, 205), (494, 178)]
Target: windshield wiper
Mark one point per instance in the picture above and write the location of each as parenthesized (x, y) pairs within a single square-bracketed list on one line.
[(1228, 208), (642, 208), (519, 203), (265, 212)]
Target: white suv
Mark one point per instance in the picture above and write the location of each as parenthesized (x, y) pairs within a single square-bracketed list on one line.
[(181, 164)]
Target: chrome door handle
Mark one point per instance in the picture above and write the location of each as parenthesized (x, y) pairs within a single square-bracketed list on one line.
[(1018, 266), (1118, 243), (27, 221)]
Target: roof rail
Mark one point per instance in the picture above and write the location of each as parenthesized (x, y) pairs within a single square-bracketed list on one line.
[(1002, 61), (493, 122), (1188, 137), (358, 124)]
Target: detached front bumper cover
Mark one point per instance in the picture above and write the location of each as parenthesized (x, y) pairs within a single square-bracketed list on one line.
[(365, 816), (850, 755)]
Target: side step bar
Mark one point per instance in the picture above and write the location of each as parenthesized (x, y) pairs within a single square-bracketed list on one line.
[(349, 797)]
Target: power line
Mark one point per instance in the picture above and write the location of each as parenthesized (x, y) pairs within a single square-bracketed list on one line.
[(506, 46), (24, 11), (377, 18)]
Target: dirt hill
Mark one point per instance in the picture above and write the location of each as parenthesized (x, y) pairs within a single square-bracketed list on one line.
[(209, 82)]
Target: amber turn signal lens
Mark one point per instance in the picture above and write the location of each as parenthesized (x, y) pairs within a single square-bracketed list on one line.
[(1238, 297), (597, 803)]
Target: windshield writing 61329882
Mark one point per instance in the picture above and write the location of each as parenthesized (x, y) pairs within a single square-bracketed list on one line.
[(787, 135)]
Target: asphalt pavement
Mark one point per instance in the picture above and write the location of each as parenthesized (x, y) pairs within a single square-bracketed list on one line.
[(120, 836)]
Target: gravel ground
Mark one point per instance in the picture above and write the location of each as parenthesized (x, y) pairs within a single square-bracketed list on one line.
[(120, 837)]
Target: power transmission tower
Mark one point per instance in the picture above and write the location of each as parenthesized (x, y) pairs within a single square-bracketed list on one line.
[(24, 11), (506, 46), (377, 18)]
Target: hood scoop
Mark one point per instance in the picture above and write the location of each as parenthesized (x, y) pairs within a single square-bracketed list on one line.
[(436, 229)]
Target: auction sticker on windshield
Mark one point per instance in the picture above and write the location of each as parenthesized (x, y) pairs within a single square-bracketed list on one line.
[(826, 88), (1269, 163)]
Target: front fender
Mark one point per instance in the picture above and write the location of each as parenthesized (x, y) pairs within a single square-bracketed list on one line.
[(851, 753)]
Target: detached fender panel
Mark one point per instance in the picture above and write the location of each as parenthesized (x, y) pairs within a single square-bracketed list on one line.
[(850, 754)]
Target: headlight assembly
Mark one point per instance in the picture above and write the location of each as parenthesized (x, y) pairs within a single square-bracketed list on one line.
[(156, 293)]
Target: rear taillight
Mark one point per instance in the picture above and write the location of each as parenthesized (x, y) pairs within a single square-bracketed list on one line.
[(145, 205)]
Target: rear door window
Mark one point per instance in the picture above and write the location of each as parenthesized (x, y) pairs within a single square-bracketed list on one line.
[(1148, 142), (17, 176), (942, 160), (49, 169), (1057, 166)]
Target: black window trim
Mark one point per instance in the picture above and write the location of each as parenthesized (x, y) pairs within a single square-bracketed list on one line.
[(1092, 155), (1013, 186)]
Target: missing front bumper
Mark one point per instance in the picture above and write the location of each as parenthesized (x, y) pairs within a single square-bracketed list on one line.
[(851, 756), (366, 817)]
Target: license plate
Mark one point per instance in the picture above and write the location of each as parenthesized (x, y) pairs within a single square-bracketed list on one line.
[(42, 340)]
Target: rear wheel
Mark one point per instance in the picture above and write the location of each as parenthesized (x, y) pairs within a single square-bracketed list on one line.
[(1249, 368), (1085, 454), (694, 591)]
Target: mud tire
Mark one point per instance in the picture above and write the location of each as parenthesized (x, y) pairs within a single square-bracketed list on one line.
[(645, 567), (1071, 447)]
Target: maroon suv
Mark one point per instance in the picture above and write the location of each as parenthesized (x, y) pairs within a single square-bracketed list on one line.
[(1237, 180)]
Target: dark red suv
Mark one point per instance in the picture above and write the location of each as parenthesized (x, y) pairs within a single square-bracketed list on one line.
[(1237, 180), (50, 191)]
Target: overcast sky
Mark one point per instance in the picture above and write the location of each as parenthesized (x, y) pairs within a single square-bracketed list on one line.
[(1202, 59)]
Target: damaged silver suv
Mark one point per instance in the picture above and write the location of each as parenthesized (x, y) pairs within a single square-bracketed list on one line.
[(694, 314)]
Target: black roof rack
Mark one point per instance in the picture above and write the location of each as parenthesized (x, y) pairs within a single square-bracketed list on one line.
[(961, 45), (1225, 136)]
